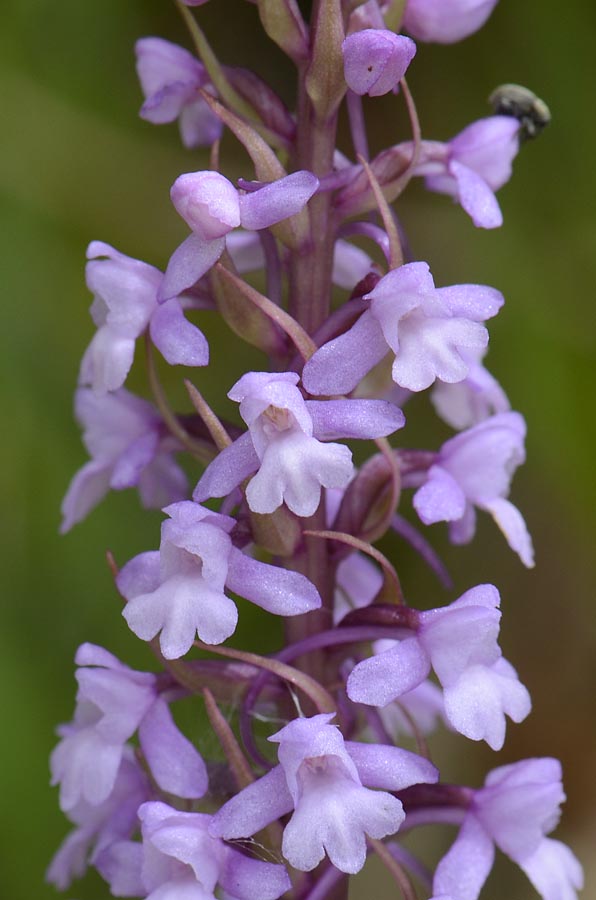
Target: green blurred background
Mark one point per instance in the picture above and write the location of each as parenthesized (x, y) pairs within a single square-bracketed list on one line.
[(77, 164)]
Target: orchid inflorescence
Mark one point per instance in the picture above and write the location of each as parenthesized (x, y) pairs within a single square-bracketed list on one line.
[(308, 777)]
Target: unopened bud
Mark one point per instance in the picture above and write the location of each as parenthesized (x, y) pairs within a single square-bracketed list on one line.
[(375, 60), (207, 202)]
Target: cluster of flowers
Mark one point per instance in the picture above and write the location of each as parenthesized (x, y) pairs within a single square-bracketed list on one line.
[(153, 816)]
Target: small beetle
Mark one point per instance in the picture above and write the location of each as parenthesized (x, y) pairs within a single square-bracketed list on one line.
[(522, 104)]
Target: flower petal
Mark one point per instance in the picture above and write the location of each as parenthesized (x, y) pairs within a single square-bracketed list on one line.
[(275, 589), (179, 342), (477, 302), (466, 866), (179, 608), (174, 762), (107, 360), (88, 486), (252, 879), (378, 680), (334, 817), (440, 499), (338, 366), (511, 522), (137, 456), (477, 703), (390, 768), (189, 262), (354, 418), (253, 808), (228, 469), (476, 197), (277, 201), (293, 470), (554, 870)]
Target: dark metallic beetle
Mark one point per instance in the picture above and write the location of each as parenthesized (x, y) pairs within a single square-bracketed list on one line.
[(522, 104)]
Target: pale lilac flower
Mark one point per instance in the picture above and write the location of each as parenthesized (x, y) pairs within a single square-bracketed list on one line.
[(375, 60), (101, 825), (357, 582), (471, 401), (125, 439), (514, 811), (474, 469), (212, 207), (124, 305), (446, 21), (113, 702), (179, 590), (472, 166), (427, 329), (284, 443), (460, 643), (170, 78), (322, 778), (180, 860)]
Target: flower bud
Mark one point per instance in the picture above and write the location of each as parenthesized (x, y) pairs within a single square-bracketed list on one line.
[(375, 60), (207, 202)]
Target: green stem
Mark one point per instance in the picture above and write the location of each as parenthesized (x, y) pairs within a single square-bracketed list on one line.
[(311, 265)]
